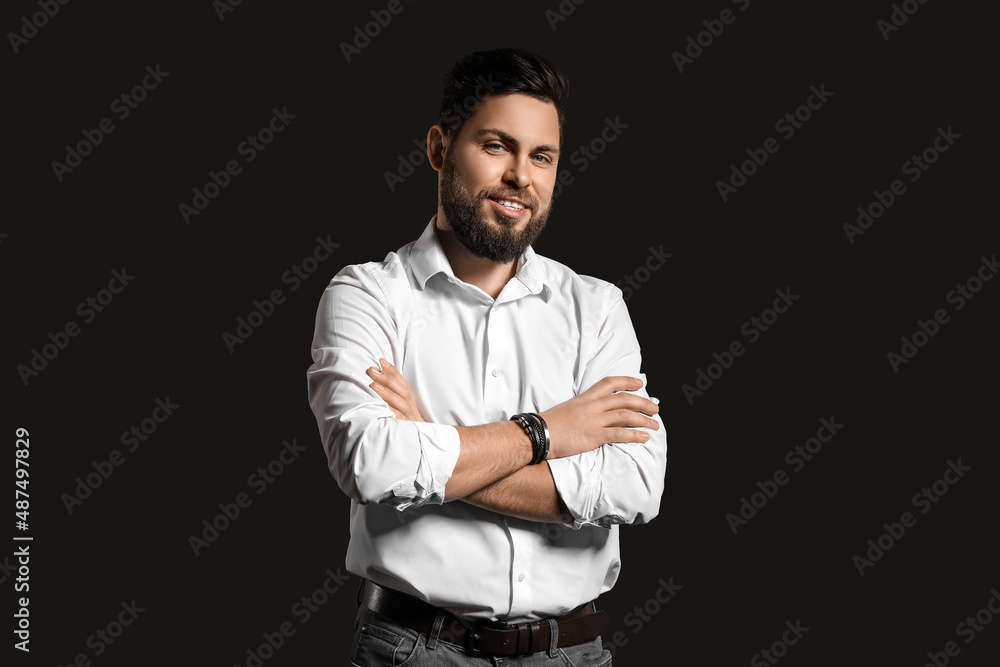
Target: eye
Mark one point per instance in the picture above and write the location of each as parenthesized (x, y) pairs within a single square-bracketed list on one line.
[(541, 158), (494, 146)]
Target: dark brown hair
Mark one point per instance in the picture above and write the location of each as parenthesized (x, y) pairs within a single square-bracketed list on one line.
[(499, 72)]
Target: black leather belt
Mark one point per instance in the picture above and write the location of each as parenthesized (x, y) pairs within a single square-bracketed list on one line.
[(582, 624)]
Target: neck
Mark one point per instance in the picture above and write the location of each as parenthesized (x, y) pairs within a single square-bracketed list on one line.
[(484, 274)]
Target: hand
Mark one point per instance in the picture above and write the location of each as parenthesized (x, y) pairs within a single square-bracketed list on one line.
[(599, 416), (393, 388)]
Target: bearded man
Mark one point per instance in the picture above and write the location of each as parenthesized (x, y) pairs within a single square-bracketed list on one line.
[(482, 406)]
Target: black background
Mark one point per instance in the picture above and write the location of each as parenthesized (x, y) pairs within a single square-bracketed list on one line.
[(324, 176)]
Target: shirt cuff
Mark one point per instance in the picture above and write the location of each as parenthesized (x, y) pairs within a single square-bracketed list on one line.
[(581, 488), (439, 449)]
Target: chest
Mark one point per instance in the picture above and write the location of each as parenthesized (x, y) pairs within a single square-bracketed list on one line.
[(471, 362)]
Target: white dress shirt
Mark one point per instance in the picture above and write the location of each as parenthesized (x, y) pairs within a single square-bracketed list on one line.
[(470, 359)]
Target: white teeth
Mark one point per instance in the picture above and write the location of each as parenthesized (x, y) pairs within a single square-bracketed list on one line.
[(512, 205)]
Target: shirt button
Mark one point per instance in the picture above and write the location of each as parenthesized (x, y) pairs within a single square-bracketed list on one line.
[(496, 308), (496, 372), (520, 577)]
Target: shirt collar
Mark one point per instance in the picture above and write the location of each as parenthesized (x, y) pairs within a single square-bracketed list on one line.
[(427, 259)]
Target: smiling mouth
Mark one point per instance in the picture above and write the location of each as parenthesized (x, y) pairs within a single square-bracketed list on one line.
[(511, 204)]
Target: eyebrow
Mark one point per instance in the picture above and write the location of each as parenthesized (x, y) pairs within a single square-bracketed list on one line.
[(511, 140)]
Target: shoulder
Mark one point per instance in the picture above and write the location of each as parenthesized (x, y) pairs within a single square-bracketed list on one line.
[(588, 291), (380, 285), (383, 275)]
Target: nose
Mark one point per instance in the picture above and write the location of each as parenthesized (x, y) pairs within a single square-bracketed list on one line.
[(518, 174)]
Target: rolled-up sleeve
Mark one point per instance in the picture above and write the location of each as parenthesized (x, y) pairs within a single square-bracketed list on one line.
[(374, 457), (617, 482)]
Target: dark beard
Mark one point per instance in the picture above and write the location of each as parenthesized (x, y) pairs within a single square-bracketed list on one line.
[(464, 212)]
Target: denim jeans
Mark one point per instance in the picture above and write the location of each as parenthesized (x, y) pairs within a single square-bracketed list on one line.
[(378, 642)]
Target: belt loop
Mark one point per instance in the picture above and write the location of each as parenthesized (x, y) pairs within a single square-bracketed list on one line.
[(432, 639), (553, 636)]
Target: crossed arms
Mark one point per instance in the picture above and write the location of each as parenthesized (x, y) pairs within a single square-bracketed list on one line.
[(492, 471), (608, 453)]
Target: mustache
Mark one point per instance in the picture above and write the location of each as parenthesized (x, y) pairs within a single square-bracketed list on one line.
[(501, 193)]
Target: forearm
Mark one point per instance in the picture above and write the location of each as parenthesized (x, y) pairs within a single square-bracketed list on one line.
[(529, 493), (489, 453)]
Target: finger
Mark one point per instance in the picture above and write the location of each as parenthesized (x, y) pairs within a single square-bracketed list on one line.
[(383, 367), (396, 404), (618, 434), (629, 418), (388, 369), (631, 402), (394, 380), (384, 375), (394, 400), (388, 395), (613, 383)]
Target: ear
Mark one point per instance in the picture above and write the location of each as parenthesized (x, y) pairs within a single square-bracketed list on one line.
[(437, 144)]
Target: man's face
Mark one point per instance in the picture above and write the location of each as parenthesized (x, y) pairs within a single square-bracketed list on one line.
[(498, 174)]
